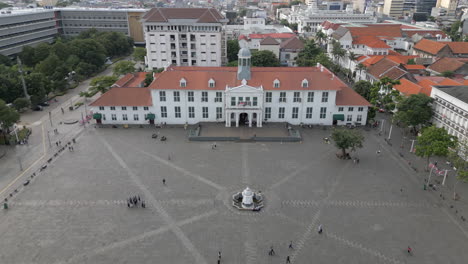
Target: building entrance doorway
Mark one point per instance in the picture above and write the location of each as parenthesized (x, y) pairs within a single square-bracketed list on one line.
[(244, 119)]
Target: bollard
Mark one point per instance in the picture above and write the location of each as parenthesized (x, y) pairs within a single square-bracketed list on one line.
[(5, 206), (424, 186)]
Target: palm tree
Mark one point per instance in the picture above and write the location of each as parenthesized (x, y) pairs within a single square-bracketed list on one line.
[(351, 56), (306, 28), (320, 37), (360, 67)]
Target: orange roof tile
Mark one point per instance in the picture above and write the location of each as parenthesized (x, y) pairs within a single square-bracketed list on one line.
[(131, 80), (448, 81), (377, 30), (124, 97), (458, 47), (371, 41), (433, 33), (446, 64), (407, 87), (290, 77), (347, 96), (429, 46), (426, 84), (415, 67)]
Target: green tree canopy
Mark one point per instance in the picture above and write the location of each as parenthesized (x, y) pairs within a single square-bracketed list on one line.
[(434, 141), (264, 58), (5, 60), (101, 84), (347, 139), (8, 116), (363, 88), (232, 49), (414, 110), (311, 55), (139, 53), (21, 103), (448, 74), (124, 67), (459, 159), (148, 79), (383, 95)]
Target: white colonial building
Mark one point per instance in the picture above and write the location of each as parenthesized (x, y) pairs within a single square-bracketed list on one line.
[(237, 96), (184, 37), (451, 109)]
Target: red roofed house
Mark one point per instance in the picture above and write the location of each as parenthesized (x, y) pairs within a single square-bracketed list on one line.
[(426, 48), (252, 41), (289, 49), (131, 80), (449, 64), (185, 37), (237, 96)]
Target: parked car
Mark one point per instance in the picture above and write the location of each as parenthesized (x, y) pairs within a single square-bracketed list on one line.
[(381, 110), (38, 108), (44, 103)]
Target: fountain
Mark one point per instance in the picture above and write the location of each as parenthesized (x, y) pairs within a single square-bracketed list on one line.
[(248, 200)]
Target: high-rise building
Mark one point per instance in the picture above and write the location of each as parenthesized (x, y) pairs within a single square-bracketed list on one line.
[(450, 5), (393, 8), (184, 37), (425, 6)]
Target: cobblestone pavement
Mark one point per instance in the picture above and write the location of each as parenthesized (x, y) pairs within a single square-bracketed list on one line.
[(75, 210)]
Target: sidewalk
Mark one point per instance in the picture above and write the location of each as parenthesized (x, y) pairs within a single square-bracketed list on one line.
[(400, 146)]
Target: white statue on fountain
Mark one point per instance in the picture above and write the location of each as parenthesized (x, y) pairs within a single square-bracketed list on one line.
[(248, 200)]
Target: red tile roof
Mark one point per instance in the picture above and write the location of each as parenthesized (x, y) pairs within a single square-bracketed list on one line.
[(293, 43), (386, 68), (427, 86), (269, 41), (429, 46), (407, 87), (433, 33), (202, 15), (131, 80), (458, 47), (446, 64), (347, 96), (125, 97), (371, 41), (290, 78), (376, 30), (415, 67)]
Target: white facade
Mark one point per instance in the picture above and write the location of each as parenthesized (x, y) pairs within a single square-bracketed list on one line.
[(451, 112), (184, 41), (123, 114), (185, 46)]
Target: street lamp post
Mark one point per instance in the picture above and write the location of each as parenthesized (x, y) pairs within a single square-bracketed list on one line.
[(20, 164), (48, 136), (50, 118)]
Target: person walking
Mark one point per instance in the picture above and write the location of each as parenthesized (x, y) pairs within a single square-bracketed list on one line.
[(164, 181), (410, 250), (219, 255), (63, 111), (320, 229), (143, 204), (272, 252), (288, 259), (290, 245)]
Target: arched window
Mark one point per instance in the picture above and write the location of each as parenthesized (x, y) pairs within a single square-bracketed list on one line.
[(211, 83), (183, 82), (305, 83), (276, 83)]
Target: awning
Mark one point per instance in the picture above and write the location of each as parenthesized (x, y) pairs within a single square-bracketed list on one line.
[(338, 117), (150, 116), (97, 116)]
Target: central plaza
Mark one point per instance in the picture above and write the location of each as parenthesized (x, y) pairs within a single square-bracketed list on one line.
[(76, 211)]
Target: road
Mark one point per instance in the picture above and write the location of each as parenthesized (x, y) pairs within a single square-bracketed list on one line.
[(21, 160)]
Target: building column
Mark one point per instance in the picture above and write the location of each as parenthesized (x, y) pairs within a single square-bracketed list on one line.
[(259, 119), (237, 119), (250, 119), (228, 116)]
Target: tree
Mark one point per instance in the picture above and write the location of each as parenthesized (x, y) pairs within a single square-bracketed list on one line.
[(448, 74), (5, 60), (307, 28), (338, 52), (458, 158), (284, 22), (8, 116), (309, 55), (21, 103), (455, 31), (434, 141), (232, 64), (38, 87), (360, 67), (383, 95), (232, 49), (264, 58), (363, 88), (139, 54), (124, 67), (148, 79), (101, 84), (347, 139), (411, 62), (320, 37), (414, 111)]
